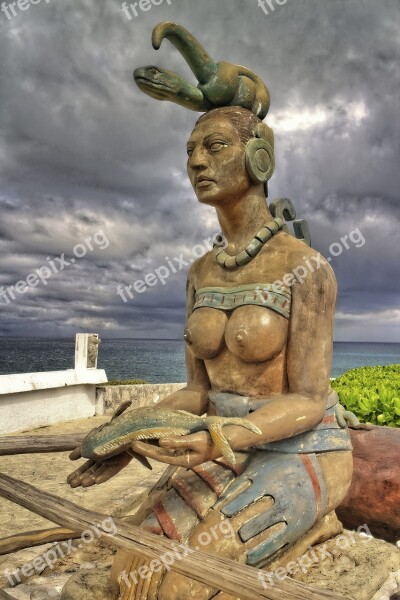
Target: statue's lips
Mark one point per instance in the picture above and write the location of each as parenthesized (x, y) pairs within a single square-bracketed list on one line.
[(204, 183)]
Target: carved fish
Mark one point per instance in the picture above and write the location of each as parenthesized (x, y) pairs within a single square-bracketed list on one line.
[(220, 84), (154, 424)]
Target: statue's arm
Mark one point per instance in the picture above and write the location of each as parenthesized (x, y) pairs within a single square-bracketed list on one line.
[(194, 396), (309, 357)]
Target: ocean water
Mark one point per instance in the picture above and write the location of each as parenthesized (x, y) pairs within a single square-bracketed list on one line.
[(156, 361)]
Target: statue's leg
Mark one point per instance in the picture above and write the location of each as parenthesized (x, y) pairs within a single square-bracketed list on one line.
[(278, 500), (177, 507)]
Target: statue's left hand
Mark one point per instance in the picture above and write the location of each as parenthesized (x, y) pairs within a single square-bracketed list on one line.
[(92, 472), (184, 451)]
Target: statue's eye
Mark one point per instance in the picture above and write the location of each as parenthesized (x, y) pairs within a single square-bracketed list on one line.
[(189, 151), (217, 146)]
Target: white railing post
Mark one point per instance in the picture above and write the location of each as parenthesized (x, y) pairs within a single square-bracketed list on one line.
[(86, 351)]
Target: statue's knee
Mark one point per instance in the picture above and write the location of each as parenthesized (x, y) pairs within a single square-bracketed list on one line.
[(337, 470)]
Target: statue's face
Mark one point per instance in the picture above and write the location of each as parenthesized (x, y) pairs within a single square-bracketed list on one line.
[(217, 162)]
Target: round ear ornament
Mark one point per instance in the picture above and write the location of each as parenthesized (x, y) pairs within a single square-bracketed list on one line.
[(260, 160)]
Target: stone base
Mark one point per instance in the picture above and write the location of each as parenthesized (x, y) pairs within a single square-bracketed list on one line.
[(90, 585), (352, 565)]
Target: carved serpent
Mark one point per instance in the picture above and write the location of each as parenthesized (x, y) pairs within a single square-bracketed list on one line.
[(220, 84)]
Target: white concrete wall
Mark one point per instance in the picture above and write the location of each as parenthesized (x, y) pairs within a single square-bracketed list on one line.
[(35, 399), (110, 397)]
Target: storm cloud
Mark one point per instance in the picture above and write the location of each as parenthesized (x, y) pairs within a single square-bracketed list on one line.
[(83, 151)]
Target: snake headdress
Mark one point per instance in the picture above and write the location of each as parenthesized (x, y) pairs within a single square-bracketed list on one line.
[(219, 83)]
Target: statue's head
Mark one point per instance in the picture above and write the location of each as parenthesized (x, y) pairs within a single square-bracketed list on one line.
[(230, 151)]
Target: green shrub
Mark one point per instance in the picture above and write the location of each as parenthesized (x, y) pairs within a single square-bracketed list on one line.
[(372, 394)]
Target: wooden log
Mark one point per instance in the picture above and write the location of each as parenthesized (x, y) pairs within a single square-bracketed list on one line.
[(211, 569), (5, 596), (27, 444), (374, 495), (30, 539)]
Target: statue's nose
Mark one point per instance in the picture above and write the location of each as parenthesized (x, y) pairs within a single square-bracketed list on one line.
[(198, 158)]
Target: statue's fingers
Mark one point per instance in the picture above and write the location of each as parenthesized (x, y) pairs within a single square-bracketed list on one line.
[(177, 461), (88, 481), (75, 454), (175, 442), (75, 476), (105, 472), (110, 468), (160, 454), (146, 449), (340, 419), (90, 477), (351, 418)]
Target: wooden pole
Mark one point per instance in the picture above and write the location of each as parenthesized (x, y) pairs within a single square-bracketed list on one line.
[(5, 596), (24, 444), (210, 569), (30, 539)]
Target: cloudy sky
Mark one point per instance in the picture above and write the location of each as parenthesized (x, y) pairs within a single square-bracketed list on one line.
[(84, 155)]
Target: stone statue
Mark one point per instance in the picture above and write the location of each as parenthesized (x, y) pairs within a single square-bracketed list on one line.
[(258, 347)]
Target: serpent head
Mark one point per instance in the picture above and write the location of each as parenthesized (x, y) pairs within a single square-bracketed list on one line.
[(157, 83), (162, 84)]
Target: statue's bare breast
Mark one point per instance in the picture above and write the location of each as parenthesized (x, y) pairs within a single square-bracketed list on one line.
[(253, 334)]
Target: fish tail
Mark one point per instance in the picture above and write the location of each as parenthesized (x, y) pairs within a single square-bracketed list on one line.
[(243, 423), (215, 425), (221, 442)]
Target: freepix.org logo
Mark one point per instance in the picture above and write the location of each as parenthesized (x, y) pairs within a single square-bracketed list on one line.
[(12, 9), (132, 10)]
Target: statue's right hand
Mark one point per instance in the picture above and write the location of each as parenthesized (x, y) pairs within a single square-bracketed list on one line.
[(94, 473)]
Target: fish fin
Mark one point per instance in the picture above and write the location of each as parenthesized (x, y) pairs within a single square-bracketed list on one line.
[(142, 459), (185, 412), (157, 433), (221, 442), (112, 448), (121, 409)]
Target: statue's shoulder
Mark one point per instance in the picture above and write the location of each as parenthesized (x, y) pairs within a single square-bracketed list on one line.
[(301, 258), (201, 265), (294, 248)]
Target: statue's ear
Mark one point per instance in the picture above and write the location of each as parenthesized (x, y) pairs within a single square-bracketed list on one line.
[(260, 161)]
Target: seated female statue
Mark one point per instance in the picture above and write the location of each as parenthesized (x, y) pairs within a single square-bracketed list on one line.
[(258, 346)]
